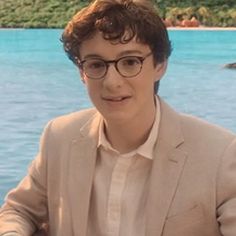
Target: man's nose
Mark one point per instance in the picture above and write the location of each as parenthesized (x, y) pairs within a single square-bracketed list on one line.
[(113, 78)]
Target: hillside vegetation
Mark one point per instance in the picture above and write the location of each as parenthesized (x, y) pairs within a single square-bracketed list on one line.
[(56, 13)]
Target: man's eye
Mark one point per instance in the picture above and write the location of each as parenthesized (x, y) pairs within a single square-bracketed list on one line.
[(95, 65), (130, 62)]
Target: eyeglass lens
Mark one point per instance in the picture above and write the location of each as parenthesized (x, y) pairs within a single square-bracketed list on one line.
[(126, 66)]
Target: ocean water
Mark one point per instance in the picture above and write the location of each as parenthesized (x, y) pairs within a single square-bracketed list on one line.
[(38, 82)]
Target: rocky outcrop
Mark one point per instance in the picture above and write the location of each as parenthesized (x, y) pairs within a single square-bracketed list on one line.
[(230, 65), (190, 23), (193, 22)]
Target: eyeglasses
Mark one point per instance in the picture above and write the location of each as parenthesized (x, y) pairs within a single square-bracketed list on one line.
[(128, 66)]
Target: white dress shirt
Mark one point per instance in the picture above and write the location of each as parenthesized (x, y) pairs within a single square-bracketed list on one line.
[(120, 187)]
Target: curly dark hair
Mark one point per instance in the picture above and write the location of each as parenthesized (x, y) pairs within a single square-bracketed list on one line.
[(119, 21)]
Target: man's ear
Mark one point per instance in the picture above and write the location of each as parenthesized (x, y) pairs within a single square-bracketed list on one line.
[(161, 69), (81, 75)]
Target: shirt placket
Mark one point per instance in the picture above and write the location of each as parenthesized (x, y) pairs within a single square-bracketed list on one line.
[(118, 182)]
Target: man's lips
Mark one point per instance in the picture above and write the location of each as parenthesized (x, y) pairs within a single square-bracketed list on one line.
[(115, 99)]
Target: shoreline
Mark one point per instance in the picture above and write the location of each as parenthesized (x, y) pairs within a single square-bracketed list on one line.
[(168, 28), (202, 28)]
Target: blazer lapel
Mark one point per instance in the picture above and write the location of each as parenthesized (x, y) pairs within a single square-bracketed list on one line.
[(167, 167), (82, 167)]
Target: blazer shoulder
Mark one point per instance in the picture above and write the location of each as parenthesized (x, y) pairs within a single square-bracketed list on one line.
[(71, 123), (190, 129), (80, 117), (202, 130)]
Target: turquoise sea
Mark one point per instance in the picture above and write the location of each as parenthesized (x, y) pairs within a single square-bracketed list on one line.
[(38, 82)]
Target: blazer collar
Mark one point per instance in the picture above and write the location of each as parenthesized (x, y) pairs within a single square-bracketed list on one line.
[(82, 167), (167, 167)]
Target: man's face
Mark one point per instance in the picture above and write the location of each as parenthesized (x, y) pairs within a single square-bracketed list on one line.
[(120, 99)]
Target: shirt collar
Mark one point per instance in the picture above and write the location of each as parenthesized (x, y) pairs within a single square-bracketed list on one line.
[(146, 149)]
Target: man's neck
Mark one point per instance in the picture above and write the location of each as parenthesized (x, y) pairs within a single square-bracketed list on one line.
[(129, 136)]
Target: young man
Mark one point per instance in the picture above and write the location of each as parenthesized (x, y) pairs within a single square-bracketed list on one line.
[(131, 166)]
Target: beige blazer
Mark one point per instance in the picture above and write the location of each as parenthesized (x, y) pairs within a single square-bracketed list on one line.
[(192, 186)]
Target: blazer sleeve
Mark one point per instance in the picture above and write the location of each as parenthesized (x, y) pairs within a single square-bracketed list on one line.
[(25, 207), (226, 191)]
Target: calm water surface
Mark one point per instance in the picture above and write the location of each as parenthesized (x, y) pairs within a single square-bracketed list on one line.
[(38, 82)]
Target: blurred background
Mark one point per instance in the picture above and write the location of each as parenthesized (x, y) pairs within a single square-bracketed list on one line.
[(38, 82)]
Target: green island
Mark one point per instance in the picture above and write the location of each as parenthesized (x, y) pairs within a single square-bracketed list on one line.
[(56, 13)]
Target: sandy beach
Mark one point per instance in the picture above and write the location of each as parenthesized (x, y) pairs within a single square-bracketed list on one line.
[(201, 28), (169, 28)]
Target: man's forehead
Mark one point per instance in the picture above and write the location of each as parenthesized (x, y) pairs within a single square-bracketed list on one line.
[(98, 45)]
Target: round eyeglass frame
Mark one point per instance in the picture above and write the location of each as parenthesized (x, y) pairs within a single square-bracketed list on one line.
[(115, 62)]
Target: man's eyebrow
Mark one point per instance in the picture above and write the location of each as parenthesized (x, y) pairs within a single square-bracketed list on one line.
[(128, 52), (121, 54), (92, 56)]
